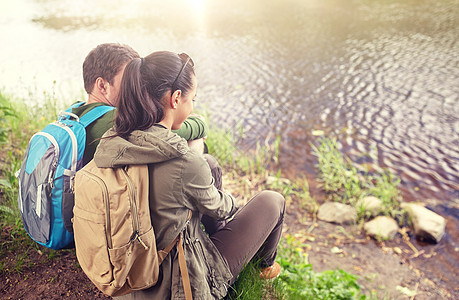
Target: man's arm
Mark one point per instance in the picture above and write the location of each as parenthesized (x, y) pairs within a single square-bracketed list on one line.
[(193, 128)]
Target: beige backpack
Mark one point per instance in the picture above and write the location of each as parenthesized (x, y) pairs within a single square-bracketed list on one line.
[(114, 238)]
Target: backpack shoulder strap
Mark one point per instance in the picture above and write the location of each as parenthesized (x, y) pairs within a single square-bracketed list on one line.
[(95, 114), (182, 262), (164, 252), (75, 105), (184, 271)]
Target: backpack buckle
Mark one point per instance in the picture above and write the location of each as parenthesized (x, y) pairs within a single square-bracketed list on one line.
[(67, 115)]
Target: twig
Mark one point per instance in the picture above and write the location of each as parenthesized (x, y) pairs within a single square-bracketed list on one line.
[(347, 234), (311, 228), (417, 254), (415, 290), (412, 246), (354, 241)]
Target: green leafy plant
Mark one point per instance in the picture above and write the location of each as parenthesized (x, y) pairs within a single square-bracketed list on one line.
[(6, 112), (348, 183), (223, 145), (385, 187), (21, 122), (298, 280), (9, 188), (336, 173)]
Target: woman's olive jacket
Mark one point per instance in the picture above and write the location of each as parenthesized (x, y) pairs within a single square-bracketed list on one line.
[(180, 180)]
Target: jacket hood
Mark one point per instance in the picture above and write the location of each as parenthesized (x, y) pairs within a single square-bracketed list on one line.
[(153, 145)]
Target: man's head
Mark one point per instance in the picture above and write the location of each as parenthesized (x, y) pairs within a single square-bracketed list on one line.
[(103, 69)]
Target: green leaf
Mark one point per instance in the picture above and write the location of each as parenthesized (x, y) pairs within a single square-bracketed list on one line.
[(6, 210), (406, 291), (5, 183)]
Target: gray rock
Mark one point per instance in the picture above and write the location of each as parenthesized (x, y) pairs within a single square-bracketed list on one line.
[(370, 204), (337, 213), (270, 180), (381, 227), (427, 225)]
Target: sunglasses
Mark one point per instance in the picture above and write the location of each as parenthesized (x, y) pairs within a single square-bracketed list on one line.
[(186, 59)]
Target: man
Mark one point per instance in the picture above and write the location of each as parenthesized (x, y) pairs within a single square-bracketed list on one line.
[(102, 73)]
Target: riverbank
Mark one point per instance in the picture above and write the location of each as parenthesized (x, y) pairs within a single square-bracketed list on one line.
[(401, 268), (312, 252), (385, 269)]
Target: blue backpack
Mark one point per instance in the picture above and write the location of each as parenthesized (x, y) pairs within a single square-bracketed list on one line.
[(46, 177)]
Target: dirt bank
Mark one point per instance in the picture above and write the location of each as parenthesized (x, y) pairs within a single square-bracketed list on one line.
[(392, 270)]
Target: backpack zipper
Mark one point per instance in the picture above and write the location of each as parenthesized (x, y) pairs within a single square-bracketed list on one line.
[(107, 206), (135, 218), (74, 143)]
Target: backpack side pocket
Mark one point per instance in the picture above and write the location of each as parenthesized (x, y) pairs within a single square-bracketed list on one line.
[(91, 249), (36, 183), (91, 227)]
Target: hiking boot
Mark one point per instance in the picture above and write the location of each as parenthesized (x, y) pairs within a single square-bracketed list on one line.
[(270, 272)]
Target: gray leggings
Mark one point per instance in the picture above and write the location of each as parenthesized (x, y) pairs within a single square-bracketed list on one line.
[(253, 233)]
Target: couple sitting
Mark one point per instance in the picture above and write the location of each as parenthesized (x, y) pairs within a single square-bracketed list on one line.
[(154, 99)]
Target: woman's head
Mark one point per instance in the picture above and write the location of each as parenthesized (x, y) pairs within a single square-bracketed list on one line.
[(159, 86)]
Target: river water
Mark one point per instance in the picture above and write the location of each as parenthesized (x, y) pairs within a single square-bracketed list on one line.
[(380, 76)]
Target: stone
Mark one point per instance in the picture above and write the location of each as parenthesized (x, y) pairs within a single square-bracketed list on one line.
[(428, 225), (381, 227), (335, 212), (270, 180), (370, 204)]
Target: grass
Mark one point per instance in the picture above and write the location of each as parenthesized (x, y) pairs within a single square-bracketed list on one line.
[(6, 113), (9, 184), (348, 183), (250, 286), (255, 168), (18, 122), (385, 188), (297, 281), (337, 174), (224, 146), (297, 188)]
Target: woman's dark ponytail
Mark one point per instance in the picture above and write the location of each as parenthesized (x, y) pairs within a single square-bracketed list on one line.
[(146, 81), (136, 110)]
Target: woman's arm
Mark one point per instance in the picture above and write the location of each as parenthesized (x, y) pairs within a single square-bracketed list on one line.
[(199, 190)]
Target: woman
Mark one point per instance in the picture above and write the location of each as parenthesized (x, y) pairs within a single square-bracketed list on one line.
[(156, 96)]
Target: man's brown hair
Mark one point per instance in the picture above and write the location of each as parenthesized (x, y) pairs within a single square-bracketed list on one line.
[(105, 61)]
